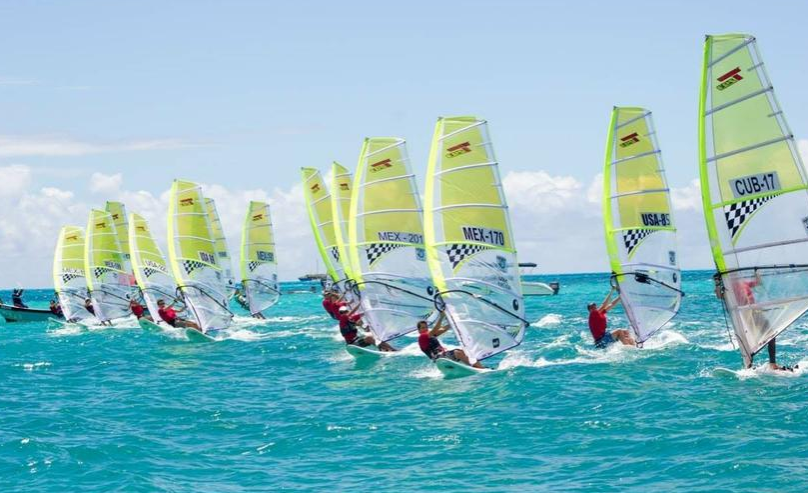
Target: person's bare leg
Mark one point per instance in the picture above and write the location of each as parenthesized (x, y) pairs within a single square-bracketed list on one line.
[(461, 355), (623, 336)]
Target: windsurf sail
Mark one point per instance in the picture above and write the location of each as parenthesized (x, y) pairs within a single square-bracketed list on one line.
[(386, 241), (321, 217), (222, 251), (68, 274), (469, 241), (193, 257), (754, 193), (151, 269), (107, 270), (259, 268), (640, 232), (341, 188)]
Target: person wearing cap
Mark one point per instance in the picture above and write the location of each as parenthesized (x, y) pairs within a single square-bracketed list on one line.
[(138, 310), (332, 303), (349, 324), (169, 316), (598, 324), (429, 344)]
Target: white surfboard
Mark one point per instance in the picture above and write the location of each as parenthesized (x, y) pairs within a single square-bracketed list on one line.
[(455, 369), (196, 335), (147, 324), (364, 352)]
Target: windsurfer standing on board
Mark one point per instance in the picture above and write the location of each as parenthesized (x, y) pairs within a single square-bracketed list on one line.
[(598, 323), (429, 344), (744, 292)]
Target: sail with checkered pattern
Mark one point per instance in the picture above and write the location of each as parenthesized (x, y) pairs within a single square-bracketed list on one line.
[(754, 192), (469, 239), (109, 281), (192, 255), (68, 274), (151, 269), (321, 217), (386, 240), (259, 268), (222, 252), (640, 231)]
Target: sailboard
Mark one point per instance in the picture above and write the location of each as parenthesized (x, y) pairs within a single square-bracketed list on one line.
[(469, 242), (754, 193), (151, 269), (222, 252), (321, 217), (259, 268), (68, 275), (456, 369), (194, 259), (640, 230), (107, 271), (386, 241), (370, 352)]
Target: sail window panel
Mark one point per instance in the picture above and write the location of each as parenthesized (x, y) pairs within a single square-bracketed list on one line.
[(389, 194), (474, 185), (642, 174)]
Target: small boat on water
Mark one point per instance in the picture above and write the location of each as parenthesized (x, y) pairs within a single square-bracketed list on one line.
[(18, 314), (535, 288)]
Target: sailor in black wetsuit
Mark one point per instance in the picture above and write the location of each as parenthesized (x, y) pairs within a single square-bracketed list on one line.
[(16, 298)]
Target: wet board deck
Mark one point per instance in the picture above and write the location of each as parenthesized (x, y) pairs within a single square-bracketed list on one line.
[(195, 335), (146, 324), (364, 352), (455, 369)]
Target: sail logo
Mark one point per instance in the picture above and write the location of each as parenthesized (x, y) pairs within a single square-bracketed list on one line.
[(207, 257), (458, 149), (315, 188), (381, 165), (401, 237), (257, 217), (141, 228), (484, 235), (115, 216), (729, 79), (672, 261), (113, 265), (265, 256), (420, 254), (73, 237), (629, 139), (502, 263), (186, 202), (101, 225), (754, 184), (655, 219), (344, 186)]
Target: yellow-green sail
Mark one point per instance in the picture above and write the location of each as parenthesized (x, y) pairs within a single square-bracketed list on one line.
[(222, 252), (108, 280), (386, 240), (259, 268), (68, 274), (754, 193), (341, 187), (321, 217), (149, 265), (118, 212), (192, 254), (469, 239), (640, 232)]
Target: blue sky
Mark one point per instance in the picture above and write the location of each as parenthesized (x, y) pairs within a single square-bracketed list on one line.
[(242, 94)]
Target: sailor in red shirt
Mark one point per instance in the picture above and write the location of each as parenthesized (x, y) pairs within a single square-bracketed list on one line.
[(598, 323), (332, 303), (744, 293), (429, 344), (169, 316), (138, 310), (349, 324)]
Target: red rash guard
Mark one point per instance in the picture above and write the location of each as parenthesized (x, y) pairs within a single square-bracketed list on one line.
[(168, 314), (347, 327), (138, 310), (597, 324)]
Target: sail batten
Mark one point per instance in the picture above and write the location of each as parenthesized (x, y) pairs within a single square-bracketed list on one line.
[(753, 186), (385, 241)]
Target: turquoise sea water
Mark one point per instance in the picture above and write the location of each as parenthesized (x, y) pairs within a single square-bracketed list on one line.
[(280, 406)]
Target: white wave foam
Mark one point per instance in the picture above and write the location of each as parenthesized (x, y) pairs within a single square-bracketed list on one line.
[(549, 320)]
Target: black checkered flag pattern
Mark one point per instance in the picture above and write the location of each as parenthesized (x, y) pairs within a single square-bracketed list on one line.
[(632, 237), (191, 265), (67, 277), (736, 214), (335, 253), (375, 250), (251, 266), (98, 272), (458, 252), (148, 272)]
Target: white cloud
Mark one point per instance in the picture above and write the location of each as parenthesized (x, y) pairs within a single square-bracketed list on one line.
[(14, 180), (16, 81), (540, 190), (106, 184), (688, 197), (54, 145)]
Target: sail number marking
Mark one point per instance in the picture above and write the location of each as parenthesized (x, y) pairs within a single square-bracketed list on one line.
[(484, 235), (754, 184)]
